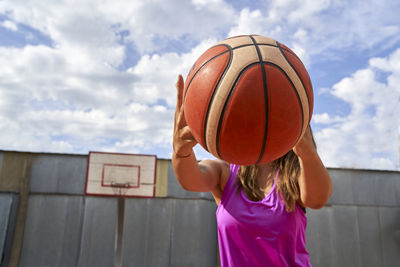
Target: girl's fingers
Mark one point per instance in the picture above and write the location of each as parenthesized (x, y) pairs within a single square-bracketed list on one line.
[(180, 118), (186, 134), (182, 135), (179, 88)]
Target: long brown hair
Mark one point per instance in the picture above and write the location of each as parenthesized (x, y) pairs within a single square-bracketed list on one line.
[(287, 184)]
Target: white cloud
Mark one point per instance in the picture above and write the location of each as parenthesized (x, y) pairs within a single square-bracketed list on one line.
[(318, 30), (325, 118), (8, 24), (46, 95), (92, 26), (56, 74), (71, 96), (158, 73), (52, 99), (175, 19), (369, 136), (252, 22)]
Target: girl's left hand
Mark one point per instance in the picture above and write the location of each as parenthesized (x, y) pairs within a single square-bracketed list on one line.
[(306, 146)]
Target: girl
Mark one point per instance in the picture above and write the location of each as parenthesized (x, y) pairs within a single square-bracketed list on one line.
[(261, 208)]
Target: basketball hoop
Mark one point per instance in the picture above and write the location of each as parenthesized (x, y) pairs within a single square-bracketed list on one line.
[(120, 176), (120, 189)]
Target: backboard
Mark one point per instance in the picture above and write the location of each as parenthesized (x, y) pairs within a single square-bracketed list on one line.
[(116, 174)]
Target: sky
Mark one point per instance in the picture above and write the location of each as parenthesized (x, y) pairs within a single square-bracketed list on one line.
[(90, 75)]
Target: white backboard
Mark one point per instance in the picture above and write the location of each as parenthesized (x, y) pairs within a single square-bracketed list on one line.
[(114, 174)]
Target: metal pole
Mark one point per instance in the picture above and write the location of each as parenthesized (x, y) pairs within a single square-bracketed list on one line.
[(119, 232)]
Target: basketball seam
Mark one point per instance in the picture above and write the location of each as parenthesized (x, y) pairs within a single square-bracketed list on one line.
[(208, 61), (264, 44), (291, 52), (294, 89), (204, 126), (213, 96), (301, 80), (264, 75), (230, 49), (221, 118)]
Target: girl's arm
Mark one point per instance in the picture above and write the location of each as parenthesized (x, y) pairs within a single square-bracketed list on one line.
[(192, 175), (314, 181)]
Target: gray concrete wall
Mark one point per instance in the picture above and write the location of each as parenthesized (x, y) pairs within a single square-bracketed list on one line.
[(63, 227), (45, 219), (360, 225), (8, 210)]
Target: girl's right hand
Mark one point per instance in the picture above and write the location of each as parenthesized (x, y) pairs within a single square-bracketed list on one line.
[(183, 140)]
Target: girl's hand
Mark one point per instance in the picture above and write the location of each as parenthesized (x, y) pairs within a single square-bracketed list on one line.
[(183, 140), (306, 146)]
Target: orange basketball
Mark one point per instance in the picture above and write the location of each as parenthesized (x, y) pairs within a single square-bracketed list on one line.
[(248, 99)]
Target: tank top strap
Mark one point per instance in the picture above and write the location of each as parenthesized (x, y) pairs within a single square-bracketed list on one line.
[(231, 183), (234, 169)]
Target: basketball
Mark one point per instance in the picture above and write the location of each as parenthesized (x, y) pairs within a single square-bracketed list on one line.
[(248, 99)]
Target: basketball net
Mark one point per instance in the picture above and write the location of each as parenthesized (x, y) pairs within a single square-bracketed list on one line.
[(120, 189)]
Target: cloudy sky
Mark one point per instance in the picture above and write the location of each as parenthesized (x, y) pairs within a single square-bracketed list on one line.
[(90, 75)]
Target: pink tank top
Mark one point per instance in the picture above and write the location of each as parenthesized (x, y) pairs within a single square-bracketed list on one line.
[(259, 233)]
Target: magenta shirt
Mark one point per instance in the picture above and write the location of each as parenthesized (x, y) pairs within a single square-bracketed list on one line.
[(259, 233)]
